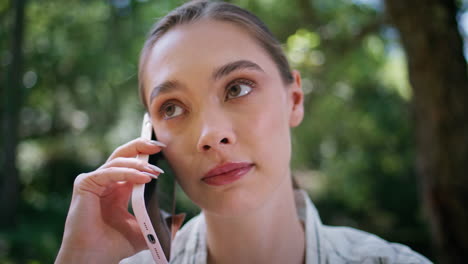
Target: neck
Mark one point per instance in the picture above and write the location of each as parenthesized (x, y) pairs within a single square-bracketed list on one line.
[(271, 234)]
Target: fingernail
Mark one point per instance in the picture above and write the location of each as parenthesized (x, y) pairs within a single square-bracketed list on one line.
[(149, 174), (157, 143), (154, 168)]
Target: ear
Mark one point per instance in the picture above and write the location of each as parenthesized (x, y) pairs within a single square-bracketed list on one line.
[(296, 100)]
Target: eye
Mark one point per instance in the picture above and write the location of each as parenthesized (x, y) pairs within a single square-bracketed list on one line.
[(239, 88), (171, 110)]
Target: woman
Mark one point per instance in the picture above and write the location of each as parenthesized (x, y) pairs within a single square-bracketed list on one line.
[(222, 100)]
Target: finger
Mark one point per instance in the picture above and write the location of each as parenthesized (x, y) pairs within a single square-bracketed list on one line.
[(120, 197), (133, 163), (137, 146), (108, 176), (98, 181)]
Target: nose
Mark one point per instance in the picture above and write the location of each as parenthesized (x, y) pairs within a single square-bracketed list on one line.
[(215, 135)]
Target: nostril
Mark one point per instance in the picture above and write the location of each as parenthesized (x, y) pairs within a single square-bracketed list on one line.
[(221, 142)]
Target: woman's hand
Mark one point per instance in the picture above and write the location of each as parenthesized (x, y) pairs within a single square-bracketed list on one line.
[(99, 228)]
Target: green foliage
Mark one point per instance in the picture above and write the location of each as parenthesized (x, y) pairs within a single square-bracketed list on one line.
[(354, 151)]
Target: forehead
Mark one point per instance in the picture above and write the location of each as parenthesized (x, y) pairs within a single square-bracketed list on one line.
[(199, 47)]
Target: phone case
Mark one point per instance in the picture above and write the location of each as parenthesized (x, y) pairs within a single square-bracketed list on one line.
[(141, 214)]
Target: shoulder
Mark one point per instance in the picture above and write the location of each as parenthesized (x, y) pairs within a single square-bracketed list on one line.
[(185, 243), (188, 240), (349, 245), (142, 257), (332, 244)]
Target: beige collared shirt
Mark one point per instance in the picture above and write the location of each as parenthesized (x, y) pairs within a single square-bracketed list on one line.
[(324, 244)]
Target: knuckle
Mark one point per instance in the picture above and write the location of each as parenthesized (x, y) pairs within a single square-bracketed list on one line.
[(118, 150), (140, 140), (82, 178), (111, 170), (140, 163), (126, 174), (135, 143), (79, 179), (119, 160), (131, 171), (143, 144)]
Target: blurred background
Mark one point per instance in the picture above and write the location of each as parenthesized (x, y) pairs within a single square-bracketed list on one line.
[(383, 146)]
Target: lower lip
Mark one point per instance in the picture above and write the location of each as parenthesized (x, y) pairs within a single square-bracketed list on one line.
[(228, 177)]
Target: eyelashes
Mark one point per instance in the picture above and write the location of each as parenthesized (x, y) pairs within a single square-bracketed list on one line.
[(239, 88), (235, 89), (170, 110)]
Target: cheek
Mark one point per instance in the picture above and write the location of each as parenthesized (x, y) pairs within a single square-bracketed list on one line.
[(186, 168), (182, 166), (269, 130), (178, 156), (176, 152)]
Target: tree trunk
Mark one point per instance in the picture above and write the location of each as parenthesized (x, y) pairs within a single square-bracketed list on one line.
[(438, 76), (9, 188)]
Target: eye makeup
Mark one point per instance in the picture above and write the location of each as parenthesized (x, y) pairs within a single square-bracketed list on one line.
[(238, 88), (239, 84)]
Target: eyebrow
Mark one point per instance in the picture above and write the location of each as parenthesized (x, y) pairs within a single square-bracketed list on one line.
[(235, 66), (218, 73), (164, 87)]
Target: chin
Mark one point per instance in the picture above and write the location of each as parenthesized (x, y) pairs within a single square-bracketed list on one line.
[(233, 202), (226, 207), (236, 199)]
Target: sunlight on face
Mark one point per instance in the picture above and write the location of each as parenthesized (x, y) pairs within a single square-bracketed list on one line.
[(215, 97)]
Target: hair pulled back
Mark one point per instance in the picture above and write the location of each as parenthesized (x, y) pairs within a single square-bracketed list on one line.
[(204, 9)]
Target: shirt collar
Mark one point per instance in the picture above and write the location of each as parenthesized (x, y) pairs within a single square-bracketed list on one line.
[(196, 250), (308, 213)]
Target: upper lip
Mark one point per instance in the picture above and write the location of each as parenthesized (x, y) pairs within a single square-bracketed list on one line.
[(226, 167)]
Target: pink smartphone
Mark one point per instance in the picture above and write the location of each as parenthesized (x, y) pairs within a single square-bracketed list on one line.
[(145, 204)]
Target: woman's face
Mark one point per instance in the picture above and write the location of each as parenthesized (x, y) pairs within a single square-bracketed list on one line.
[(217, 100)]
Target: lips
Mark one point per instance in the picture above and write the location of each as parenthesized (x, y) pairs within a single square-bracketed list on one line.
[(227, 173)]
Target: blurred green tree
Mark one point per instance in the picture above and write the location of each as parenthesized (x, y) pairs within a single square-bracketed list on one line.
[(12, 101), (439, 80)]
